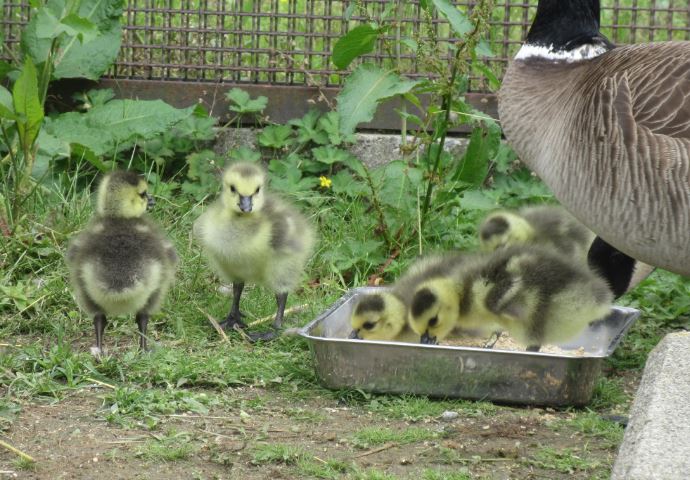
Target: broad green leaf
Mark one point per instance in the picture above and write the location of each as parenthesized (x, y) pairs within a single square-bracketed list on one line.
[(483, 145), (458, 21), (358, 41), (90, 59), (476, 200), (308, 129), (27, 103), (89, 39), (244, 154), (108, 128), (82, 27), (85, 153), (330, 124), (330, 155), (364, 88), (6, 104), (345, 183), (243, 103), (276, 136)]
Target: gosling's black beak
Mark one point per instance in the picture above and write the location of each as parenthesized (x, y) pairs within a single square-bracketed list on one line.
[(354, 334), (428, 339), (245, 204), (150, 202)]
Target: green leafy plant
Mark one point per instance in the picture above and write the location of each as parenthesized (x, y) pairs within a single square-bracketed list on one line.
[(78, 38)]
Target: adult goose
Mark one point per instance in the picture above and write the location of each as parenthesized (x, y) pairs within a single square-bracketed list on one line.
[(608, 130)]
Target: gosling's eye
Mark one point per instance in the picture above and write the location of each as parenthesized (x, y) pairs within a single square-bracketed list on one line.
[(257, 190), (233, 189), (433, 321), (367, 325), (143, 194)]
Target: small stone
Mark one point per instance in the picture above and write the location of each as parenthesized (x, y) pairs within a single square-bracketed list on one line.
[(449, 416), (405, 461)]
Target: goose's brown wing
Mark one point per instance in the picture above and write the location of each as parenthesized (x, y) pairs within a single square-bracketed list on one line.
[(659, 84)]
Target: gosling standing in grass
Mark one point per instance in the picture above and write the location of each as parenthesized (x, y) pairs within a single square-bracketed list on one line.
[(383, 315), (534, 294), (249, 235), (121, 263)]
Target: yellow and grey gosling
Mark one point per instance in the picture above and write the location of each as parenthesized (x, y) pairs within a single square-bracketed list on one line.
[(383, 315), (553, 227), (607, 129), (249, 235), (121, 263), (534, 294), (550, 226)]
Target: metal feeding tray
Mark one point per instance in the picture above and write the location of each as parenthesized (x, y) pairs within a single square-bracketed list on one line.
[(518, 377)]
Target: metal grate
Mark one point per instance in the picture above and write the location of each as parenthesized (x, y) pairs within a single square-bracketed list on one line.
[(288, 42)]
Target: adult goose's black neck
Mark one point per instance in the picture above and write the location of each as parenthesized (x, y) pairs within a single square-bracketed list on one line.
[(566, 24)]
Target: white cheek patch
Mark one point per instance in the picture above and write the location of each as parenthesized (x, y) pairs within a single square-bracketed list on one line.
[(583, 52)]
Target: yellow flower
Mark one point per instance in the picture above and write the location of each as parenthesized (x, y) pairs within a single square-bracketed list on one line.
[(325, 182)]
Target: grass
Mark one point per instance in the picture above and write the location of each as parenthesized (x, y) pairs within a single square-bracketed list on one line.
[(192, 370), (171, 447), (563, 461), (277, 453)]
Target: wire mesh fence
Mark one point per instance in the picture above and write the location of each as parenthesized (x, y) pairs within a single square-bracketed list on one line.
[(288, 42)]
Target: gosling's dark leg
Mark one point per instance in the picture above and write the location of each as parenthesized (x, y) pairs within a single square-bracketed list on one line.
[(235, 316), (142, 322), (281, 299), (612, 265), (533, 348), (99, 323), (496, 336)]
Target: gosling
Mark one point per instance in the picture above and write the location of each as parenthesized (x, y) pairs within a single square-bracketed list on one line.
[(544, 225), (383, 315), (249, 235), (536, 295), (121, 263)]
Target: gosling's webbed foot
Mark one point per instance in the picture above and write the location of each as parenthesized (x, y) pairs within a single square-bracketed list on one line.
[(533, 348), (233, 318), (263, 336)]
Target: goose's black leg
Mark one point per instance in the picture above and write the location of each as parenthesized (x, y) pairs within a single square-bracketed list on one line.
[(235, 316), (99, 323), (614, 266), (142, 323), (281, 299), (533, 348)]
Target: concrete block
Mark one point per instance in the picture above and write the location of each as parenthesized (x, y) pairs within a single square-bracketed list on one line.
[(372, 148), (656, 445)]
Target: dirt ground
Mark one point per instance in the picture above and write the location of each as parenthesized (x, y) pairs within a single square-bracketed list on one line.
[(71, 439)]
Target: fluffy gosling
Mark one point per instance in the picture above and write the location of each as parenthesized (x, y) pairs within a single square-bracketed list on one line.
[(544, 225), (383, 315), (534, 294), (249, 235), (121, 263)]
